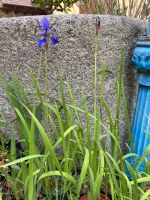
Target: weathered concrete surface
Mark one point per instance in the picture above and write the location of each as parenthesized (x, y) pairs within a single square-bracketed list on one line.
[(19, 53)]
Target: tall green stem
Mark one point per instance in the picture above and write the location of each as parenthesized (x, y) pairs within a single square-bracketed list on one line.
[(46, 75), (95, 110)]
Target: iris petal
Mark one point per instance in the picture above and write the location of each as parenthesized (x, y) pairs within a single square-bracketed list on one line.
[(54, 40), (38, 22), (46, 23), (41, 42)]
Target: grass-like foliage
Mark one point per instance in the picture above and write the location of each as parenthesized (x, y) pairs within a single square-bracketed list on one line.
[(62, 152)]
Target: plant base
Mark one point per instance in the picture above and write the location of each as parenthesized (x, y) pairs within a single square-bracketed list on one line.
[(102, 197)]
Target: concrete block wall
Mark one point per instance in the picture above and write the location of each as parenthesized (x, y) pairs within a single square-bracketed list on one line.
[(74, 55)]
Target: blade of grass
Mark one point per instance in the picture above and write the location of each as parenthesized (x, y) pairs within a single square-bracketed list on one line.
[(99, 176), (20, 160), (57, 173), (63, 98), (112, 173), (133, 174), (108, 113), (141, 180), (113, 192), (145, 195), (72, 97), (64, 135), (89, 134), (143, 157), (91, 182), (129, 185), (1, 195), (83, 173), (25, 135), (31, 165), (127, 119), (13, 147)]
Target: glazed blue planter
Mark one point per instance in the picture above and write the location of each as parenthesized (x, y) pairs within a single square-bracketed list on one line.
[(141, 121)]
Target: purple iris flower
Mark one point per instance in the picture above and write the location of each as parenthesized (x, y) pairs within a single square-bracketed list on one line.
[(45, 31)]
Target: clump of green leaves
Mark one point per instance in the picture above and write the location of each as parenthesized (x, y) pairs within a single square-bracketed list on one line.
[(71, 157), (73, 153), (54, 5)]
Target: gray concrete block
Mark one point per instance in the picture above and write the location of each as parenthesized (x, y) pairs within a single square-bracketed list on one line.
[(74, 55)]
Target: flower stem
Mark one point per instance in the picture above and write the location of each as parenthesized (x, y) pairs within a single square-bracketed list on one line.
[(46, 76)]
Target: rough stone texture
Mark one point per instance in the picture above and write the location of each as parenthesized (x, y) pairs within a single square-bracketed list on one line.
[(74, 54)]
